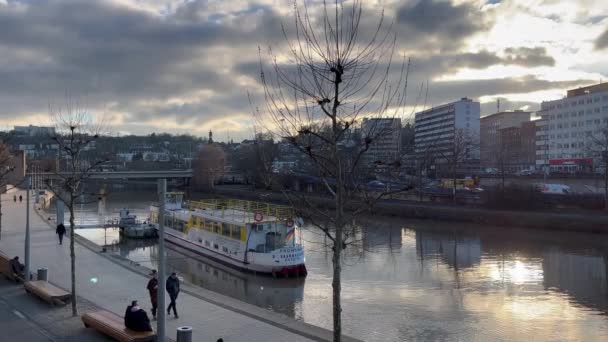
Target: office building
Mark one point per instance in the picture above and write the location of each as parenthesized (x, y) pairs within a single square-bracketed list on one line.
[(385, 134), (505, 140), (568, 128), (449, 131)]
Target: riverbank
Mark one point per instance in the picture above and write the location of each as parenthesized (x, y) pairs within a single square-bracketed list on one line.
[(579, 221), (111, 282)]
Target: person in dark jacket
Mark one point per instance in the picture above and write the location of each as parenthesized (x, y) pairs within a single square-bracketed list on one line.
[(61, 232), (17, 267), (136, 318), (172, 286), (153, 290), (20, 198)]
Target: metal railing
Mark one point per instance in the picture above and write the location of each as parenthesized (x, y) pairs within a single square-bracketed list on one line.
[(247, 209)]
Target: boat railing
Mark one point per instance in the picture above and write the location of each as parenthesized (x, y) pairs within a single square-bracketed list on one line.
[(247, 209)]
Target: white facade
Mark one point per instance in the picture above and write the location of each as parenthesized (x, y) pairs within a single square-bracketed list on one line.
[(436, 129), (568, 126)]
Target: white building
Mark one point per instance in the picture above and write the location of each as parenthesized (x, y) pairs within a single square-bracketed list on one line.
[(35, 130), (568, 128), (385, 134), (437, 130)]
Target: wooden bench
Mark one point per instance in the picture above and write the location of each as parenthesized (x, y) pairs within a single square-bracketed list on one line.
[(5, 268), (48, 292), (113, 325)]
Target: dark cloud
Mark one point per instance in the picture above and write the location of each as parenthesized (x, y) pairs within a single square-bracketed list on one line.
[(446, 91), (442, 22), (602, 41), (528, 57)]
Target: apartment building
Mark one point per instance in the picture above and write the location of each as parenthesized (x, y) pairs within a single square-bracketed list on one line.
[(386, 139), (505, 140), (568, 128), (439, 130)]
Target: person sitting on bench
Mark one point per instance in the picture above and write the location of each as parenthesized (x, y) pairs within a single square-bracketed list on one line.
[(16, 267), (136, 318)]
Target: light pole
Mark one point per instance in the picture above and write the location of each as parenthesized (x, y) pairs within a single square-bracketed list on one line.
[(160, 324), (28, 181)]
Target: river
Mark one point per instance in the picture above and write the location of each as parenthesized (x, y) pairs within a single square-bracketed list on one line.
[(411, 280)]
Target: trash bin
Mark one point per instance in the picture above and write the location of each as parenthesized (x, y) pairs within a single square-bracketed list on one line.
[(43, 274), (184, 334)]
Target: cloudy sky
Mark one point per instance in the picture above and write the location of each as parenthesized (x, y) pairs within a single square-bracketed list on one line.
[(187, 66)]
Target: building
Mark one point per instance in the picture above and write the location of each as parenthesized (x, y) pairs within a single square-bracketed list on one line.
[(385, 134), (501, 144), (447, 132), (568, 128), (34, 130)]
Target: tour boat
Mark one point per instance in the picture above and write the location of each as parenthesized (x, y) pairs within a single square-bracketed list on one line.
[(250, 236)]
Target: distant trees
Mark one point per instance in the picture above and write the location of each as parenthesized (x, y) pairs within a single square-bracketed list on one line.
[(254, 161), (208, 166), (76, 132)]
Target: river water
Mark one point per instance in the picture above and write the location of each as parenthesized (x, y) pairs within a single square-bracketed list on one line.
[(409, 280)]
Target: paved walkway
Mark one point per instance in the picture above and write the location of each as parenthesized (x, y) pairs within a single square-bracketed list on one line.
[(24, 317), (112, 284)]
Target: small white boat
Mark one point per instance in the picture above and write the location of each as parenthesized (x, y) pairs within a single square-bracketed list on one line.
[(131, 228), (140, 231)]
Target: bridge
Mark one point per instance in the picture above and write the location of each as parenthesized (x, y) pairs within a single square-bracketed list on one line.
[(150, 174)]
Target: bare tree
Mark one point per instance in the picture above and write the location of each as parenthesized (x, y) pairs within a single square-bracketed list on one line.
[(209, 166), (76, 135), (459, 155), (334, 74), (597, 147)]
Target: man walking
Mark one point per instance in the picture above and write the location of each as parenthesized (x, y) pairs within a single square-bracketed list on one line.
[(61, 232), (172, 286), (153, 290), (20, 198)]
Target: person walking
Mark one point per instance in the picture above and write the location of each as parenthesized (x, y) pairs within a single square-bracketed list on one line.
[(153, 290), (61, 232), (172, 286), (20, 198)]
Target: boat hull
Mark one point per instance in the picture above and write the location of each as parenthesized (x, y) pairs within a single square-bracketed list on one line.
[(179, 239)]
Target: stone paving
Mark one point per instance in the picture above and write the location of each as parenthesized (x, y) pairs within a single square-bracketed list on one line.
[(112, 284), (24, 317)]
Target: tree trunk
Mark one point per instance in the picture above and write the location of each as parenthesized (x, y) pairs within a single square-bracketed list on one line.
[(605, 185), (336, 285), (0, 216), (73, 258)]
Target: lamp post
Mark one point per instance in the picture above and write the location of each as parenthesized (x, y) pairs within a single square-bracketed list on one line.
[(28, 181), (160, 327)]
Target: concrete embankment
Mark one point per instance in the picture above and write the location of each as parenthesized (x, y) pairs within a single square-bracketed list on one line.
[(580, 221)]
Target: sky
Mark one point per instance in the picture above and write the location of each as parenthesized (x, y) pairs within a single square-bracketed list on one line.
[(187, 67)]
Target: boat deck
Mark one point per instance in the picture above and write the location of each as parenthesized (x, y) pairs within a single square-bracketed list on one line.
[(232, 215)]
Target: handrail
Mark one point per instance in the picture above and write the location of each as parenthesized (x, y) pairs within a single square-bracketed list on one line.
[(281, 212)]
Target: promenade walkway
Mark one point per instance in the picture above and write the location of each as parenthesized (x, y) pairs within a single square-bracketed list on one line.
[(111, 283)]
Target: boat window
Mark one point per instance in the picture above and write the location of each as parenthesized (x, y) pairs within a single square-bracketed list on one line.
[(225, 229), (207, 243), (235, 232), (216, 246), (224, 249)]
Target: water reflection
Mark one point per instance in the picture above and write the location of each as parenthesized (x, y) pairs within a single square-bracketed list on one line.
[(425, 280)]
